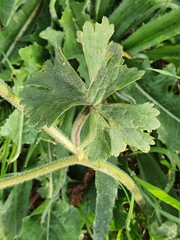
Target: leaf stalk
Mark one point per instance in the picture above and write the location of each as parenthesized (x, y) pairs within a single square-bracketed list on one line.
[(9, 95), (78, 124)]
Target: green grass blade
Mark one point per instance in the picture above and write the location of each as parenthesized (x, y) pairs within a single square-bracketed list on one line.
[(102, 7), (163, 213), (167, 52), (159, 193), (164, 72), (12, 33), (8, 9), (128, 14), (153, 33)]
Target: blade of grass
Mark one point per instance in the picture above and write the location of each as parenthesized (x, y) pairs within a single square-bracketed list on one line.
[(159, 193), (10, 36), (165, 214), (153, 33), (164, 72)]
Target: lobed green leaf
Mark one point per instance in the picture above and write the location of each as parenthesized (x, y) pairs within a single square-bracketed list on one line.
[(127, 125), (51, 92), (155, 88), (104, 61), (94, 41)]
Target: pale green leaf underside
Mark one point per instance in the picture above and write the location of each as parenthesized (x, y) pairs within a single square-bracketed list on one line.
[(127, 125), (51, 92), (104, 61), (94, 40), (65, 223), (114, 126), (112, 75)]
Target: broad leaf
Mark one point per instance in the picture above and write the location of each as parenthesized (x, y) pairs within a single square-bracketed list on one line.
[(104, 61), (127, 125), (155, 88), (112, 75), (51, 92), (54, 37), (14, 210), (56, 89), (167, 230), (94, 41), (33, 57), (106, 188), (63, 223)]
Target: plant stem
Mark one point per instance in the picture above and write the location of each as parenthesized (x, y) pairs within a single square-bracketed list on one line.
[(9, 95), (60, 137), (78, 124), (105, 167)]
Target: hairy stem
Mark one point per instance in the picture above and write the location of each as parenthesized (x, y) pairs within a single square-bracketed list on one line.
[(60, 137), (9, 95), (105, 167), (78, 124)]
